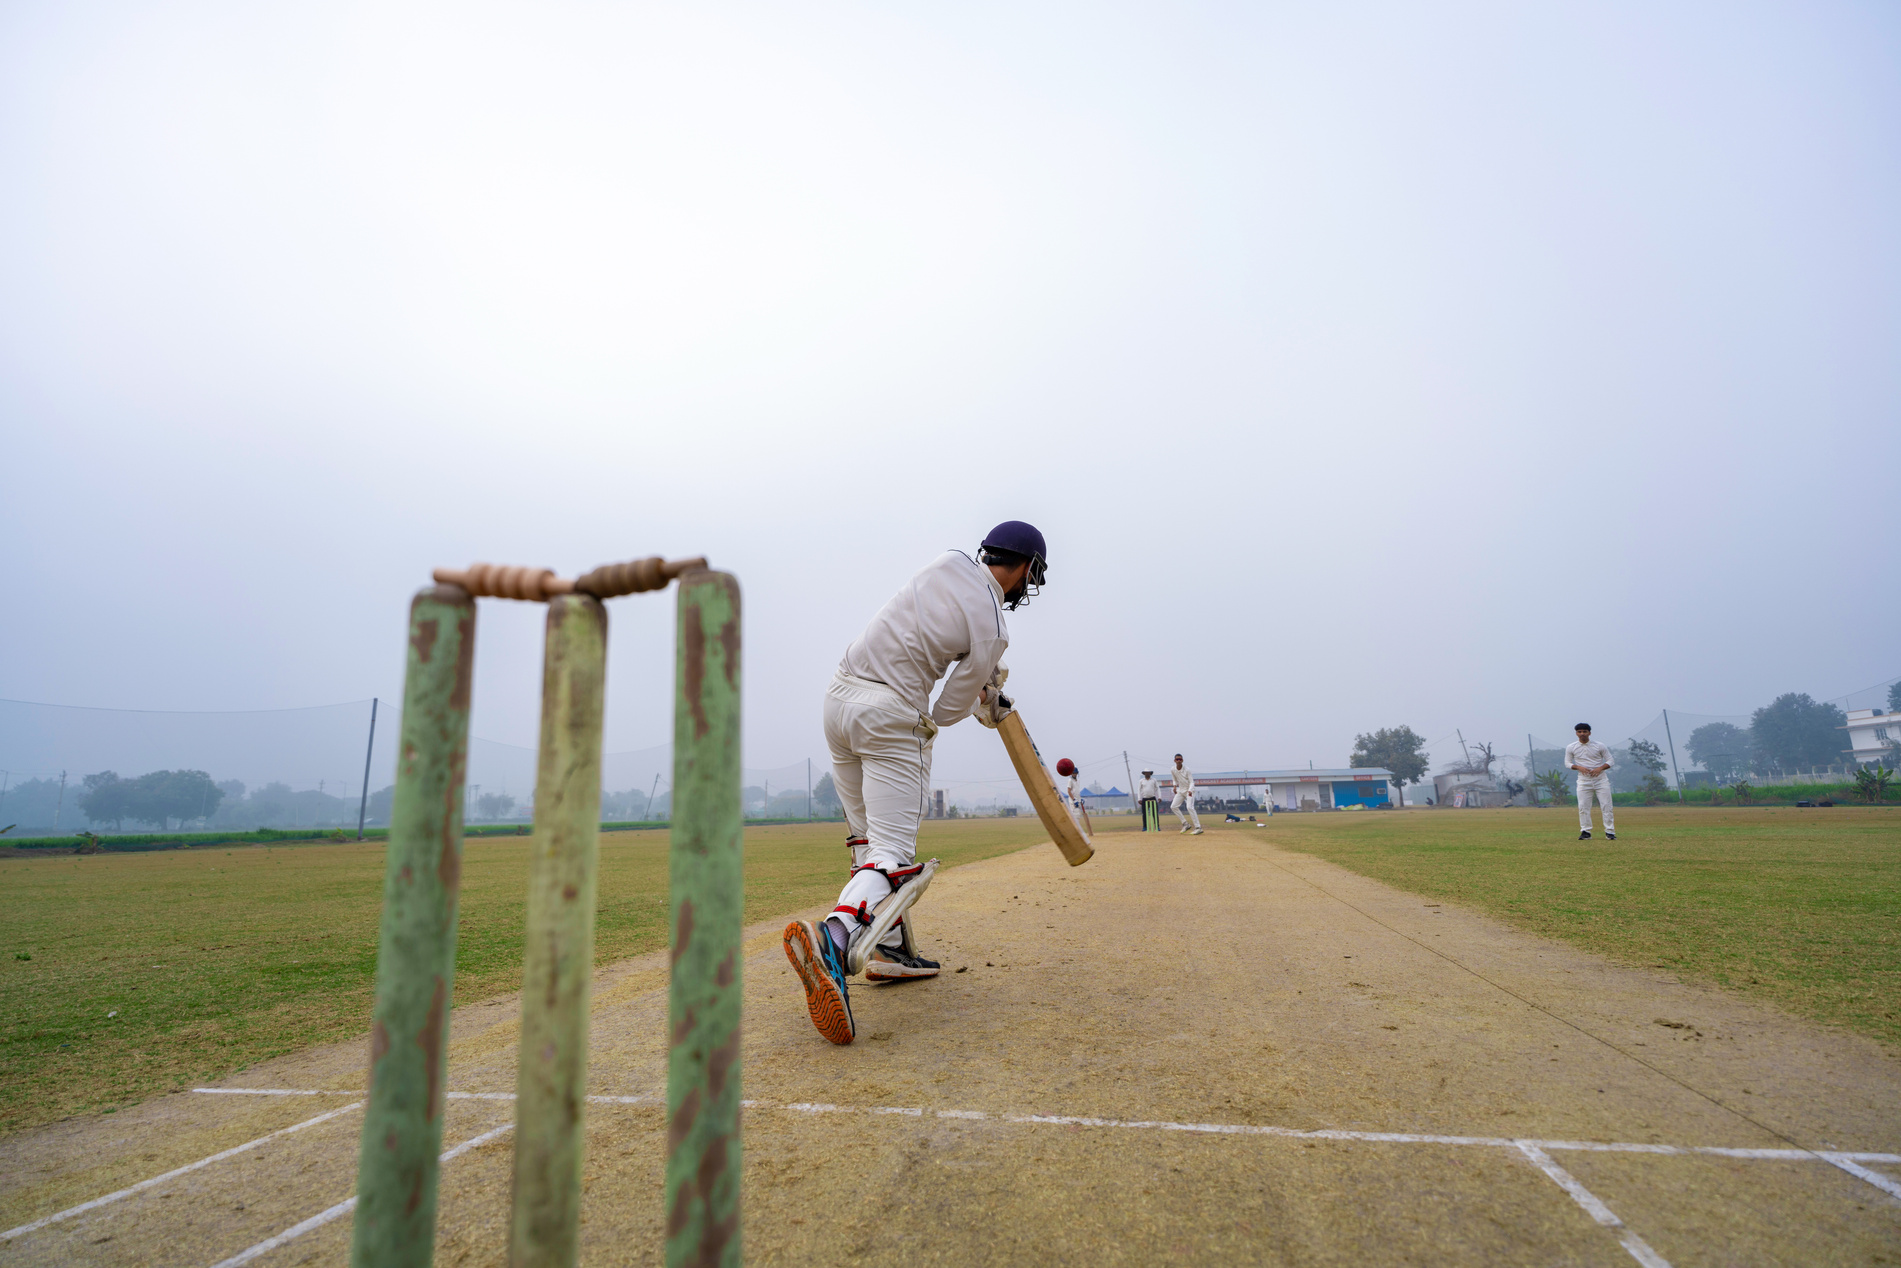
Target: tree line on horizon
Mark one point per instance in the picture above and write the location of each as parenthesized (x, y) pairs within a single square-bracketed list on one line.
[(1793, 732), (168, 800)]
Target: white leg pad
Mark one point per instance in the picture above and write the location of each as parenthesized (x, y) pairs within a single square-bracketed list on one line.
[(884, 916)]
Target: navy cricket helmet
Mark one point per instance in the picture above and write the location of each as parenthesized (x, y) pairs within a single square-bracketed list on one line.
[(1011, 542)]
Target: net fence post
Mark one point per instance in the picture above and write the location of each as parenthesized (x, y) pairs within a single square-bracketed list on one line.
[(397, 1168), (369, 751), (707, 900), (1673, 757), (558, 953)]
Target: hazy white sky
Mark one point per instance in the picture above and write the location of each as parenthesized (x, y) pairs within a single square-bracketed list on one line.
[(1471, 366)]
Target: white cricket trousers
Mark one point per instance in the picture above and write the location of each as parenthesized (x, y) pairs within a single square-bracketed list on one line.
[(1189, 814), (881, 766), (1601, 785)]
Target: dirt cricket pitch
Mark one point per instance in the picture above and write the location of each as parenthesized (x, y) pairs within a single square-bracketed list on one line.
[(1190, 1050)]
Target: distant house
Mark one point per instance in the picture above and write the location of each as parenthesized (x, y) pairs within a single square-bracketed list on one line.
[(1871, 732), (1468, 788)]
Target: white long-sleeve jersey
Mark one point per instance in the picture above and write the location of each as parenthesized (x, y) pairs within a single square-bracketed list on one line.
[(1591, 754), (1147, 788), (1184, 779), (950, 613)]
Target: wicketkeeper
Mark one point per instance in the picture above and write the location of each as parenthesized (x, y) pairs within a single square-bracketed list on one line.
[(1184, 803), (1592, 762), (880, 723)]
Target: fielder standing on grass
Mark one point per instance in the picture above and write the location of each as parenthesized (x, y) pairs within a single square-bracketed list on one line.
[(880, 724), (1592, 762), (1184, 803)]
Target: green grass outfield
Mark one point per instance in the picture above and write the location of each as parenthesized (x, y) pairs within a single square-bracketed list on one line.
[(1798, 906), (217, 958)]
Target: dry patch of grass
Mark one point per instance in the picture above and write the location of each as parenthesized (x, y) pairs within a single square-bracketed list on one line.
[(1798, 906), (129, 974)]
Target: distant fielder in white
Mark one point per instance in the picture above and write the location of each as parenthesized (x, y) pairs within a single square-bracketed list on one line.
[(1592, 762), (1184, 803), (880, 723)]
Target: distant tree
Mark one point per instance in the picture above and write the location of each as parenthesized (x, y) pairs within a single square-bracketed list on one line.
[(157, 797), (1720, 748), (1398, 749), (1553, 785), (1871, 782), (381, 802), (825, 796), (1894, 695), (106, 798), (160, 796), (34, 802), (1646, 756), (274, 805), (494, 806), (1795, 731)]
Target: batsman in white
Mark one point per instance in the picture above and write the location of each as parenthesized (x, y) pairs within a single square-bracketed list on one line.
[(1072, 791), (880, 723), (1184, 803), (1592, 762)]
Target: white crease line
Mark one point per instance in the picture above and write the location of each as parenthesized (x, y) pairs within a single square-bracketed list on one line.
[(276, 1092), (344, 1207), (1844, 1161), (295, 1231), (454, 1096), (1223, 1129), (1638, 1248), (71, 1211)]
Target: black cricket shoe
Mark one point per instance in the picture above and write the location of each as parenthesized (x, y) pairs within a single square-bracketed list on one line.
[(1610, 836), (1585, 835), (893, 964)]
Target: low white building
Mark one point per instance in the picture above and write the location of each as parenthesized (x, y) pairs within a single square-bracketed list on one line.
[(1368, 787), (1871, 732)]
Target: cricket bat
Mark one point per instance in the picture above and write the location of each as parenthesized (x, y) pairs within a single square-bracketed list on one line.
[(1065, 828)]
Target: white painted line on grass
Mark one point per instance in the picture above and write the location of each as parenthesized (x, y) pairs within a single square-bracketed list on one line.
[(71, 1211), (1638, 1248), (343, 1208), (1846, 1163)]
